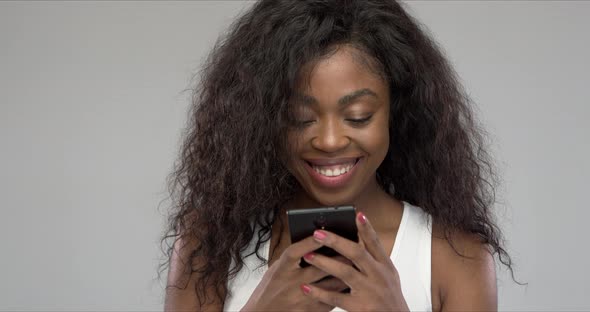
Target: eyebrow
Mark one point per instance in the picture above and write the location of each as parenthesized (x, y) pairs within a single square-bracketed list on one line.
[(343, 101)]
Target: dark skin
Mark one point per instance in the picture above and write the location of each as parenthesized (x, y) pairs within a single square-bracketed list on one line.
[(339, 94), (330, 129)]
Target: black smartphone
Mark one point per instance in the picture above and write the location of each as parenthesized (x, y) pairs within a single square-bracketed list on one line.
[(339, 220)]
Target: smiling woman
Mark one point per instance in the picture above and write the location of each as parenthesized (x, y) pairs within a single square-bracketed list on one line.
[(343, 125), (327, 103)]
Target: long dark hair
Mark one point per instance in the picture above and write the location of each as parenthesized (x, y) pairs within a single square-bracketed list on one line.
[(230, 180)]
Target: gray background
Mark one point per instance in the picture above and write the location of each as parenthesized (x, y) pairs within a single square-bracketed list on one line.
[(92, 106)]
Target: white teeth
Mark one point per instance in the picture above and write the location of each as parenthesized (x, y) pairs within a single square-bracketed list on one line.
[(333, 172)]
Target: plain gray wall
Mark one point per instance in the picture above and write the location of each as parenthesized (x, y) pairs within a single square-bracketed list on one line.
[(92, 107)]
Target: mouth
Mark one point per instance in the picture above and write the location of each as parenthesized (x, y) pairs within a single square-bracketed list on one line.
[(331, 173)]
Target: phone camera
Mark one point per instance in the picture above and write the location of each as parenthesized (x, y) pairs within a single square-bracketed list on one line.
[(320, 222)]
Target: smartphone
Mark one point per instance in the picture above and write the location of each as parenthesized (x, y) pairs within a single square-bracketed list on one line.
[(339, 220)]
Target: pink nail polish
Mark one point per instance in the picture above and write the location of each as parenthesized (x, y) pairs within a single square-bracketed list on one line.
[(306, 289), (319, 235), (309, 256), (362, 218)]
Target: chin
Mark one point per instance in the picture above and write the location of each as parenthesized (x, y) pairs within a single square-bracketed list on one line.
[(329, 200)]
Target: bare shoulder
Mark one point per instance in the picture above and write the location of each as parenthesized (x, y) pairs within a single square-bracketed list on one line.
[(180, 287), (463, 277)]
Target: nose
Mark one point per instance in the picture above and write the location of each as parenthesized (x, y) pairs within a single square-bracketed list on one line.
[(330, 137)]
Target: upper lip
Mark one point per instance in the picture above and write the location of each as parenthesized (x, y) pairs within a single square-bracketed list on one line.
[(331, 161)]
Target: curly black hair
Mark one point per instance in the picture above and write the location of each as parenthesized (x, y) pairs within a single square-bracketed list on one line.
[(230, 180)]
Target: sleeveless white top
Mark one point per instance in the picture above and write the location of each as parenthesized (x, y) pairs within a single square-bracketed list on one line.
[(411, 256)]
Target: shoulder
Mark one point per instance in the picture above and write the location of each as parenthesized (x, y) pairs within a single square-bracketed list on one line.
[(463, 273), (181, 284)]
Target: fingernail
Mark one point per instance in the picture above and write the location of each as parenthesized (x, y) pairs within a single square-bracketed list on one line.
[(306, 289), (319, 235), (309, 256), (362, 218)]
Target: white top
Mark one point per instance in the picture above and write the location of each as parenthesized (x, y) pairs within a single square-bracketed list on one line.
[(411, 256)]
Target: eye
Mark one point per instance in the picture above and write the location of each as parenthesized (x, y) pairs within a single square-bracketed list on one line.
[(360, 121), (303, 116), (303, 123)]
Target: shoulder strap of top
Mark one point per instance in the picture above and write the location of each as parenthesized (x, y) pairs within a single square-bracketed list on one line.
[(412, 256)]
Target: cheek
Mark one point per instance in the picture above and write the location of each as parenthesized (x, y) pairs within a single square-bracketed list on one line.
[(295, 144), (375, 140)]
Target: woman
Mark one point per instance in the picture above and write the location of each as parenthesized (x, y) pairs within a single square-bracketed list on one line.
[(324, 103)]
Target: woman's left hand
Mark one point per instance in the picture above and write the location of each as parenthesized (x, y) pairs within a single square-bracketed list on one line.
[(374, 285)]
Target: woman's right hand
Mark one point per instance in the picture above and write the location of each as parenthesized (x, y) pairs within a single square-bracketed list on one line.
[(280, 287)]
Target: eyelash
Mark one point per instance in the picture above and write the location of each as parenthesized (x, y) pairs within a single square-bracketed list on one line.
[(359, 121), (302, 124)]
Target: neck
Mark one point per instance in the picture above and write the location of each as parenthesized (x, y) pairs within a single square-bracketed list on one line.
[(373, 201)]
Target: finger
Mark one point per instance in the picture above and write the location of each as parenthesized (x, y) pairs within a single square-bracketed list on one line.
[(293, 254), (312, 274), (331, 284), (342, 260), (349, 275), (370, 239), (328, 276), (331, 298), (347, 248)]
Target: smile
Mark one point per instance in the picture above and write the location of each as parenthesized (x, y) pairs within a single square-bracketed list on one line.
[(332, 172)]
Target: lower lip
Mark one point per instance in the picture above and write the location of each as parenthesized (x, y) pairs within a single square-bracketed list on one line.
[(332, 182)]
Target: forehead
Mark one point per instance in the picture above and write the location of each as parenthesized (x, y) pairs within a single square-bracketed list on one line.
[(344, 70)]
